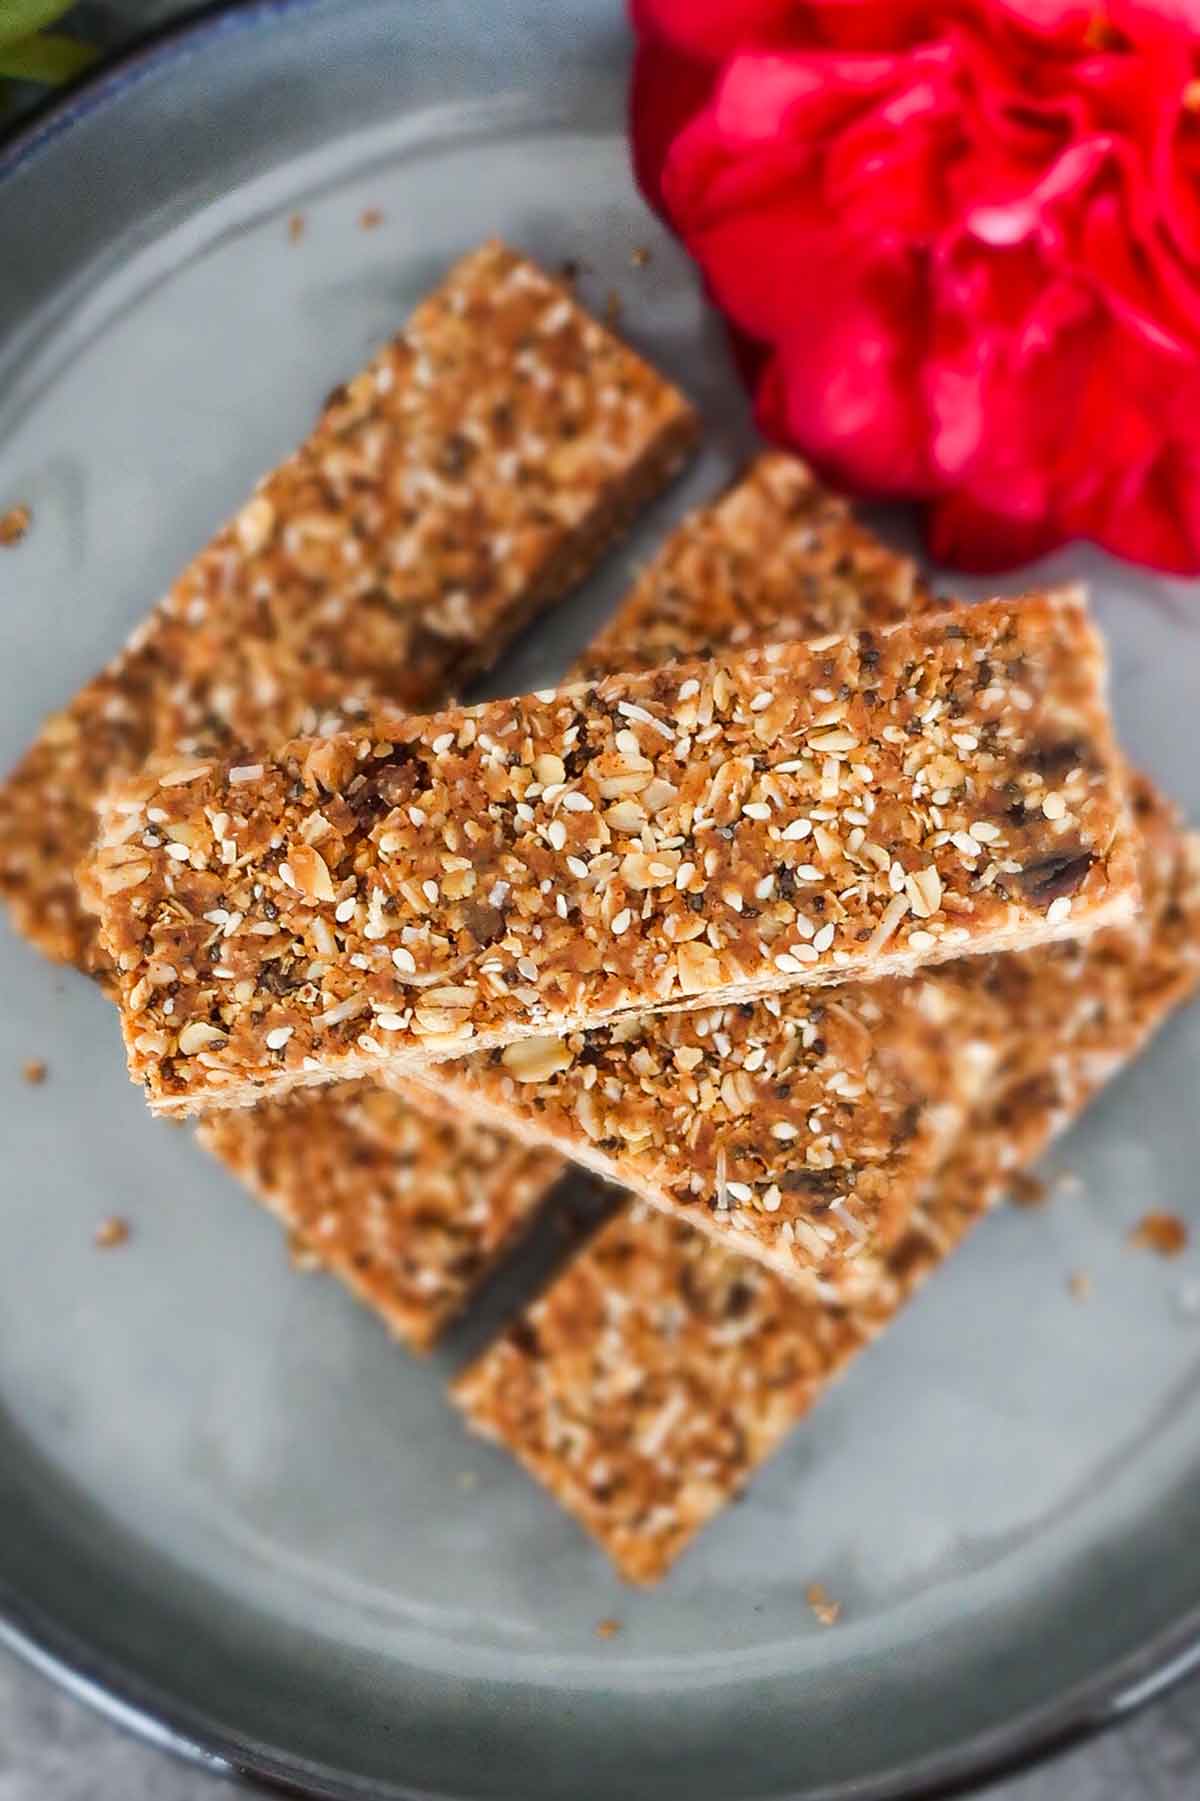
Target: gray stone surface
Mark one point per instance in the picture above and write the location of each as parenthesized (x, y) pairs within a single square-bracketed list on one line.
[(52, 1748)]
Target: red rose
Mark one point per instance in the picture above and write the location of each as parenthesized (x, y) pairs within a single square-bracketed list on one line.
[(966, 240)]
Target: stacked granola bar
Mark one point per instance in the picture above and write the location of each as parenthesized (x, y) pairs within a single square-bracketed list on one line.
[(700, 834), (681, 915), (463, 481)]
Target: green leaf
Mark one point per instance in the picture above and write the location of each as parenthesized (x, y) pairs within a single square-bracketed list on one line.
[(51, 58), (19, 19)]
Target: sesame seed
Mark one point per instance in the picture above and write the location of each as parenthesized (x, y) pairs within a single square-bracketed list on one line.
[(631, 711)]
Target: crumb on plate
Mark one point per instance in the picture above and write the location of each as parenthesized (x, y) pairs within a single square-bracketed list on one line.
[(827, 1612), (14, 525), (1163, 1232), (1027, 1190)]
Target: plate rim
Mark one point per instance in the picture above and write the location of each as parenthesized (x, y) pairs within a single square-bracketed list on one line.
[(116, 1690)]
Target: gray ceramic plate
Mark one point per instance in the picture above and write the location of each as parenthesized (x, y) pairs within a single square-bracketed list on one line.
[(229, 1508)]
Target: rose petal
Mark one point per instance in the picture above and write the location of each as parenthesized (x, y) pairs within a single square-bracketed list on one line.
[(708, 29), (666, 92), (846, 390), (963, 535)]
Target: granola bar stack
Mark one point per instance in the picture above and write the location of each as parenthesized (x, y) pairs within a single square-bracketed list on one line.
[(807, 912)]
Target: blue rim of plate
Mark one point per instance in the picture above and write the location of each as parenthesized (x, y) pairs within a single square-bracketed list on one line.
[(118, 1692)]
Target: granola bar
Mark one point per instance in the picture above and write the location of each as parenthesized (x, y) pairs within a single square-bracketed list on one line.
[(798, 1130), (659, 1371), (1069, 1018), (410, 1212), (776, 557), (805, 813), (469, 476)]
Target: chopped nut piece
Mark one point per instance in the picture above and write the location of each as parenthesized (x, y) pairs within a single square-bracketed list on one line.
[(607, 1628), (904, 686), (370, 218), (296, 228), (111, 1232), (199, 1036), (34, 1072), (438, 505), (536, 1059), (1079, 1285), (1165, 1233), (310, 873)]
